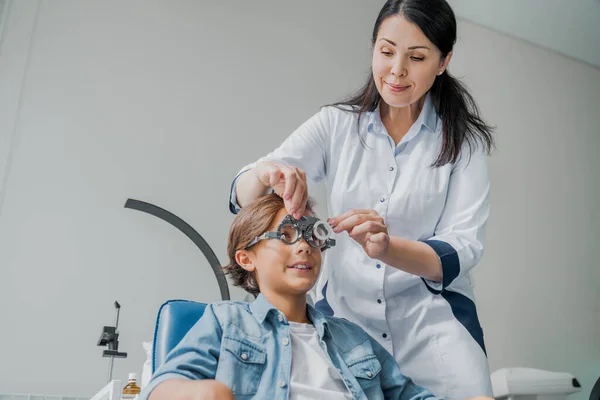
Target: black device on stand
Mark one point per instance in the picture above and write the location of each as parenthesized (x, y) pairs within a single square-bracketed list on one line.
[(110, 339)]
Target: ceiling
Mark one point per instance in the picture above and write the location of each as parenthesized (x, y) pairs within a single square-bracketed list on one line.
[(569, 27)]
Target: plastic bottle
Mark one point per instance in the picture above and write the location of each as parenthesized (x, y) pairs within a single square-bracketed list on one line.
[(131, 390)]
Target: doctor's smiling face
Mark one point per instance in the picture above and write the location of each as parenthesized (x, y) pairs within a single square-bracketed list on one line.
[(405, 62)]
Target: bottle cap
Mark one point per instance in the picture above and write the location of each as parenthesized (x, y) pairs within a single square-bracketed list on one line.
[(132, 376)]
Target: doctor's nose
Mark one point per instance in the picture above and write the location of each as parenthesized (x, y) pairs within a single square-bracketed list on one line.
[(399, 69)]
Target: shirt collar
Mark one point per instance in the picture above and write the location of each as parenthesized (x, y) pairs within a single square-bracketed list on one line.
[(318, 319), (261, 307), (427, 117), (429, 114)]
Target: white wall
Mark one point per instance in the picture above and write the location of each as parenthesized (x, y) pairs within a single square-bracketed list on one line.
[(568, 27), (537, 284), (165, 101)]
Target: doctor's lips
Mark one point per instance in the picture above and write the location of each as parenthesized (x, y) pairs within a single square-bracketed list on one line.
[(396, 88)]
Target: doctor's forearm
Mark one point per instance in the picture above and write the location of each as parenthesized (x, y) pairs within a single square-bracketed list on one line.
[(249, 188), (414, 257)]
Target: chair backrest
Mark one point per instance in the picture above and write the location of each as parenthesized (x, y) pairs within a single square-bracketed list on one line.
[(175, 318), (595, 393)]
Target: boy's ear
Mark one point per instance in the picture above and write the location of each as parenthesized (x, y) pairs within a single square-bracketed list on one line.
[(244, 260)]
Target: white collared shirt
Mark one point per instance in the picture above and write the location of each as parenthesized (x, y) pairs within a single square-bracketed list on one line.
[(446, 207)]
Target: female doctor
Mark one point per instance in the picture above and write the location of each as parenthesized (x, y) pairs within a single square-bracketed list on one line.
[(404, 162)]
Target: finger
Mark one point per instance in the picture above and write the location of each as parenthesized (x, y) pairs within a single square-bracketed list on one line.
[(349, 223), (274, 176), (290, 183), (357, 233), (380, 237), (348, 214), (368, 227), (346, 220), (263, 173), (288, 206), (299, 199), (360, 218), (302, 208)]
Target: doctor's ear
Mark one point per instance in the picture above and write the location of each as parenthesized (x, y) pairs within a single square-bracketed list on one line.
[(244, 260), (444, 63)]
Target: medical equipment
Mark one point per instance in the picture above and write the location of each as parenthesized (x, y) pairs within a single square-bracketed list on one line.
[(110, 338), (191, 233), (316, 232), (532, 384)]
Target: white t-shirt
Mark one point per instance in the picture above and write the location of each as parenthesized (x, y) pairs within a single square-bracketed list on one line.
[(313, 374)]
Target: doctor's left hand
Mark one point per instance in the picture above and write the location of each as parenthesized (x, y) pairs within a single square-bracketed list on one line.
[(366, 227)]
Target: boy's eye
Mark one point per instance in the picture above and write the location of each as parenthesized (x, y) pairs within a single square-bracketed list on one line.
[(386, 53), (288, 233)]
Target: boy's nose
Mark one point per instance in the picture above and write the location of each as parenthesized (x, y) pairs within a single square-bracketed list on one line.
[(303, 246)]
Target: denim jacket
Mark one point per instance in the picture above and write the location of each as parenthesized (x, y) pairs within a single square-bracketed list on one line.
[(247, 347)]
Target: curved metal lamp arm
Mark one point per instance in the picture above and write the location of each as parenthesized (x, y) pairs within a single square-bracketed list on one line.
[(190, 233)]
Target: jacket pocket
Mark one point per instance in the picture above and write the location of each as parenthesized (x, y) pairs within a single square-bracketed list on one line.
[(245, 363), (366, 371), (365, 368)]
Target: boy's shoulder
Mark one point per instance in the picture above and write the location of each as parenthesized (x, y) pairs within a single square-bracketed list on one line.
[(236, 317), (236, 312), (339, 325), (229, 307)]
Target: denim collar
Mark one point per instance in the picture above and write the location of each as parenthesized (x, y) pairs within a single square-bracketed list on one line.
[(261, 308)]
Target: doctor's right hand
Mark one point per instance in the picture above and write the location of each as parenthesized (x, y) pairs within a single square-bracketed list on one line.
[(288, 182)]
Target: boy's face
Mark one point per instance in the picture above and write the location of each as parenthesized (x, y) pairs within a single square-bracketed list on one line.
[(282, 268)]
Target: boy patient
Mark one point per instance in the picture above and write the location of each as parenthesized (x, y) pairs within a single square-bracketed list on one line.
[(278, 346)]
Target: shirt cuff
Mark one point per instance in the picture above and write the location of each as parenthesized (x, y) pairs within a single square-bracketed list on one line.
[(450, 265), (234, 207)]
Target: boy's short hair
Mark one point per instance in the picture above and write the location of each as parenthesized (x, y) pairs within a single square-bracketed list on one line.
[(252, 221)]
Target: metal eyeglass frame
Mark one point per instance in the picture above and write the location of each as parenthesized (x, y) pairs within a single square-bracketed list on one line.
[(304, 226)]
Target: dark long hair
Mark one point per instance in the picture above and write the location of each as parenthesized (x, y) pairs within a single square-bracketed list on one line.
[(452, 101)]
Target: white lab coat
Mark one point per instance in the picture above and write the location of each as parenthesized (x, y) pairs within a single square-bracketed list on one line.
[(432, 329)]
